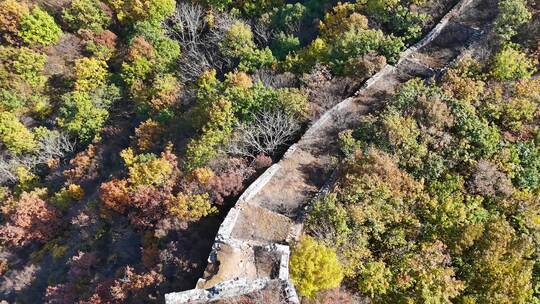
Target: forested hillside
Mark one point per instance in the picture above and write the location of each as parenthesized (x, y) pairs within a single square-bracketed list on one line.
[(437, 196), (127, 128)]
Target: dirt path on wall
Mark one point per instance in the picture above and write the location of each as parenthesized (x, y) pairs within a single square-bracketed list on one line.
[(270, 210), (309, 163)]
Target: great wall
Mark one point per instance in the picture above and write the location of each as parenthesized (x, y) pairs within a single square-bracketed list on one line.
[(251, 249)]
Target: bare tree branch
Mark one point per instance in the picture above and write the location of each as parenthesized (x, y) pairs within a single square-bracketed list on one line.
[(268, 131), (199, 41), (53, 145), (187, 25)]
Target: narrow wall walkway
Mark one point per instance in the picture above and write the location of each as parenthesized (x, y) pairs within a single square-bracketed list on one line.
[(251, 247)]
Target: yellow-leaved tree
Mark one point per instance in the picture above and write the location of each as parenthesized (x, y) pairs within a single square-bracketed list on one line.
[(314, 267)]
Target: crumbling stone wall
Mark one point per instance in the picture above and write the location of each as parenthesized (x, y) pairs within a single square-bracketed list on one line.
[(269, 214)]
